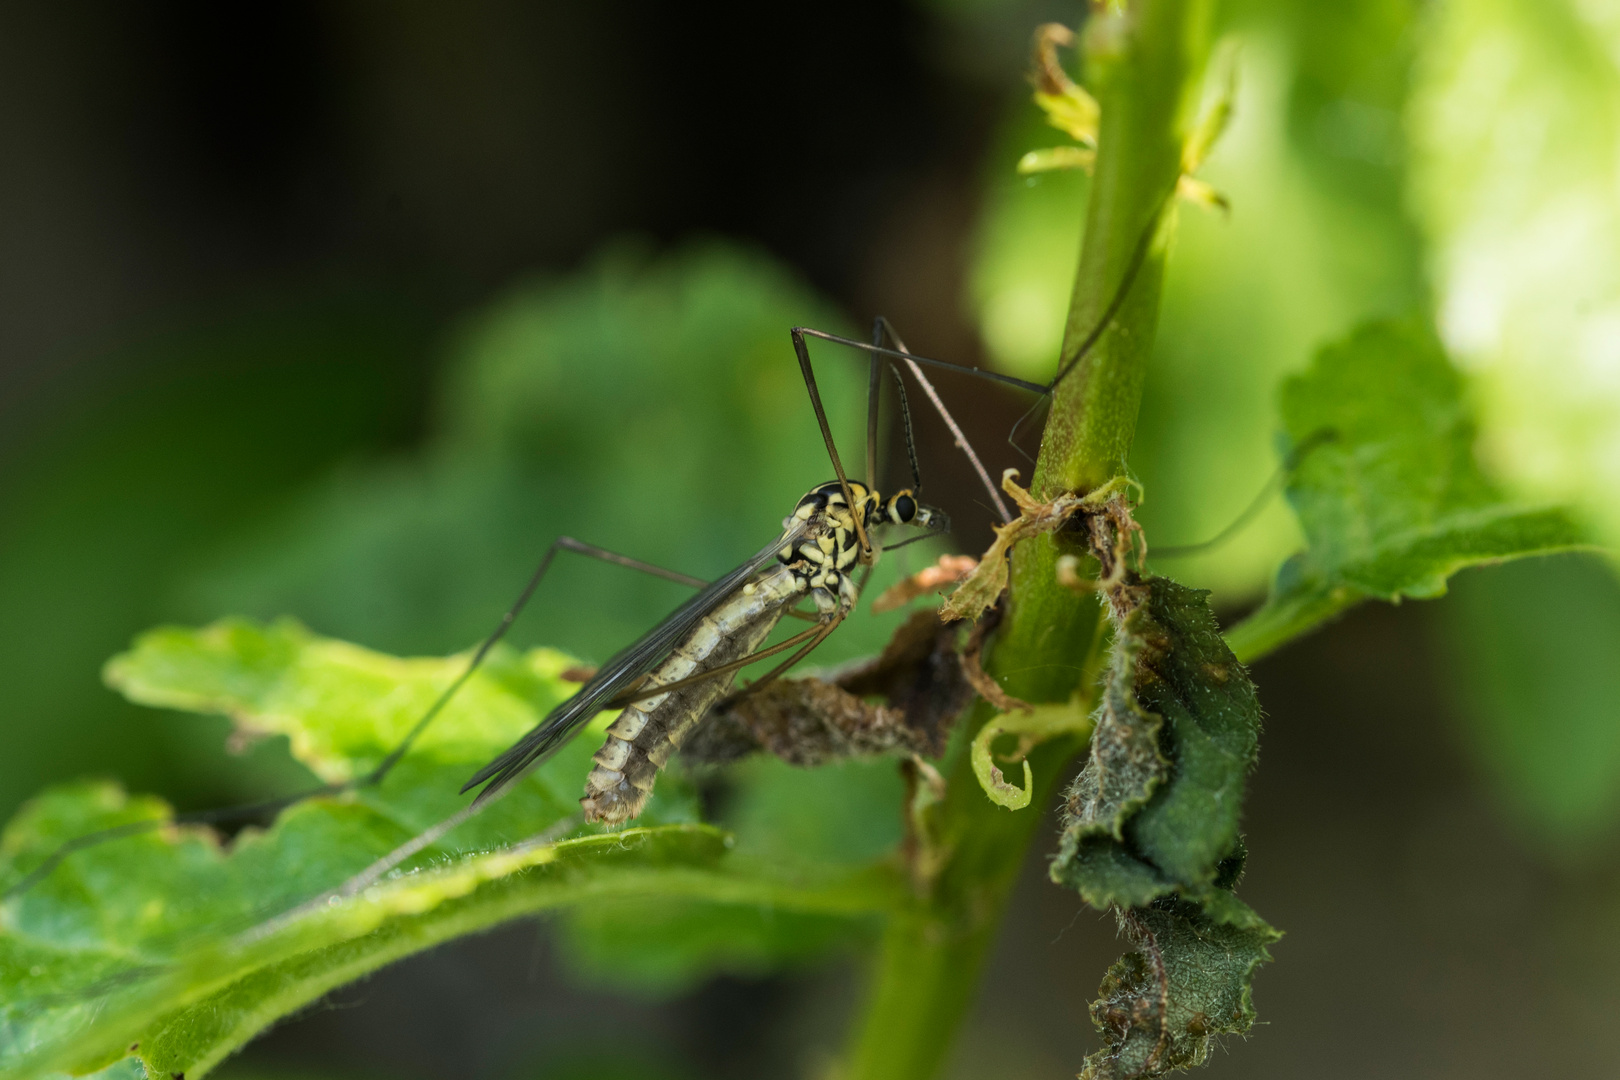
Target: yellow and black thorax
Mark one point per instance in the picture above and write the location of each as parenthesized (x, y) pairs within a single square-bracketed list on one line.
[(831, 546)]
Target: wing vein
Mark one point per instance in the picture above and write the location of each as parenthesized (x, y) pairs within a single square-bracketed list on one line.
[(629, 664)]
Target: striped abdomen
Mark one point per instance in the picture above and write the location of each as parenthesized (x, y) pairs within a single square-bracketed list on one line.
[(647, 734)]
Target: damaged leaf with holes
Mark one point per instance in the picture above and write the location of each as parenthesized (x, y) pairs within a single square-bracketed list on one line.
[(183, 947), (1151, 831)]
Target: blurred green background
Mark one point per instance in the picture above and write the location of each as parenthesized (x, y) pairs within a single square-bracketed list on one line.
[(345, 311)]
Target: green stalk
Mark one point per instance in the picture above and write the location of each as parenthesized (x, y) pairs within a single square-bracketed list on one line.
[(1145, 67)]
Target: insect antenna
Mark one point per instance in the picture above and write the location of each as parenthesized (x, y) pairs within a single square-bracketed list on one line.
[(1144, 243), (905, 422), (800, 332), (950, 422)]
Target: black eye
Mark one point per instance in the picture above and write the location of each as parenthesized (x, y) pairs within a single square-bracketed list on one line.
[(905, 508)]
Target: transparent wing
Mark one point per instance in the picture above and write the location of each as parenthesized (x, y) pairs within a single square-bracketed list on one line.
[(619, 672)]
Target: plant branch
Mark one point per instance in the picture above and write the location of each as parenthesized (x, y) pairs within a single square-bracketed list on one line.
[(1145, 66)]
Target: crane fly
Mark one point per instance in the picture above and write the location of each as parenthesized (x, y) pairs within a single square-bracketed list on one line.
[(667, 681)]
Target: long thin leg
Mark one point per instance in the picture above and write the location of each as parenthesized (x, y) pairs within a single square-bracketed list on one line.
[(929, 535), (950, 422), (579, 546), (375, 776), (359, 882), (562, 543), (1126, 280), (776, 672), (1235, 526), (993, 376), (1274, 484), (912, 361), (643, 693), (803, 353), (1138, 256)]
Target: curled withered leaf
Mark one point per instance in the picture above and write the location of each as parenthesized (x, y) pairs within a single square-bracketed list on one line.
[(1048, 74), (804, 722), (1186, 981), (921, 673), (985, 585), (947, 571), (1151, 823), (1067, 105), (974, 671), (812, 721), (1116, 541)]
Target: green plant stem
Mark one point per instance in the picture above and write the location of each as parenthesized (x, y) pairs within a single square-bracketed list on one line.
[(1145, 67), (1145, 70)]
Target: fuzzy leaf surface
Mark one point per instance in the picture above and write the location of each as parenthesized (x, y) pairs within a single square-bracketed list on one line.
[(163, 940), (1386, 486), (1185, 982), (1151, 831), (1155, 810)]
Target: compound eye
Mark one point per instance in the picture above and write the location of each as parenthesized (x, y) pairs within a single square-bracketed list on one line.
[(904, 508)]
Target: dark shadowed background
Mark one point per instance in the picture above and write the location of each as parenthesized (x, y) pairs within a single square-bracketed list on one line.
[(338, 310)]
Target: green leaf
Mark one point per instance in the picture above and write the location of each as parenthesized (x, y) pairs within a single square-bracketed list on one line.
[(1385, 485), (1151, 830), (1186, 982), (1154, 813), (831, 823), (168, 941)]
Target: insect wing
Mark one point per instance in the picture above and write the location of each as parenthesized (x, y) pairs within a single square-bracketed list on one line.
[(618, 673)]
